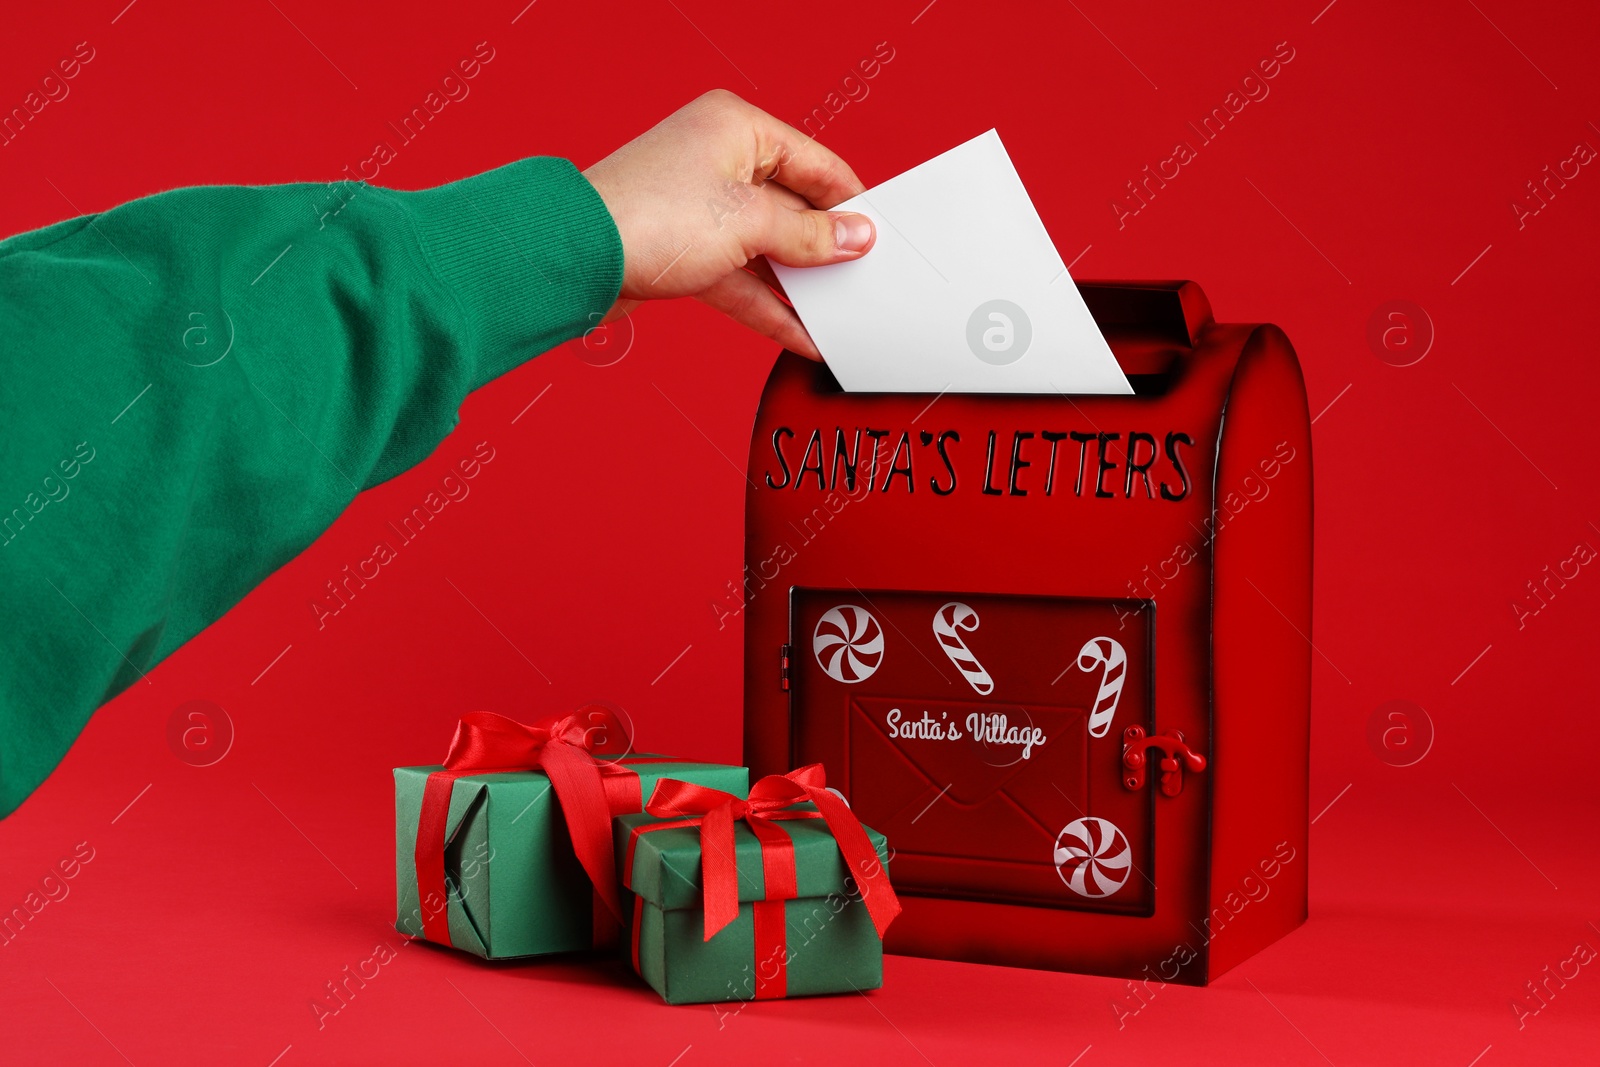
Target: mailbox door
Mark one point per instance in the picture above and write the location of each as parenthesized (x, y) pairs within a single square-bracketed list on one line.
[(984, 735)]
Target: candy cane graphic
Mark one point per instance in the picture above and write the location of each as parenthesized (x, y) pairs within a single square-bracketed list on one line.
[(1105, 651), (947, 621)]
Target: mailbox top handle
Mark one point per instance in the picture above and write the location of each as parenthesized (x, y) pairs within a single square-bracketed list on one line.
[(1176, 311)]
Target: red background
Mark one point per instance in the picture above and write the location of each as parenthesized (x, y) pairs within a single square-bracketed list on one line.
[(219, 903)]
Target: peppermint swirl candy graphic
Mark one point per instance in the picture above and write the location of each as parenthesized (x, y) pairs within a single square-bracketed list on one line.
[(1093, 857), (848, 643)]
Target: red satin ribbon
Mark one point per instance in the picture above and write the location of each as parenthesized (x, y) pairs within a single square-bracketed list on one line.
[(590, 793), (771, 799)]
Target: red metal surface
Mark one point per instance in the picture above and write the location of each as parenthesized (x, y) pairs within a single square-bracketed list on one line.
[(1073, 566)]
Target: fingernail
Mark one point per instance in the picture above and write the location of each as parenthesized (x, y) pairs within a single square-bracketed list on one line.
[(851, 232)]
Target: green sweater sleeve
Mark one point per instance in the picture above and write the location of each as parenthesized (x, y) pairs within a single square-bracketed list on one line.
[(194, 385)]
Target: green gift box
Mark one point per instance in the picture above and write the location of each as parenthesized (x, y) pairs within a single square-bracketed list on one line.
[(515, 886), (822, 940)]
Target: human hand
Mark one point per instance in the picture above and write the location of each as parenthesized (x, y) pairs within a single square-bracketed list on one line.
[(719, 184)]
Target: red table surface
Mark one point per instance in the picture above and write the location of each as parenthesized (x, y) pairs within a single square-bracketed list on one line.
[(1381, 165)]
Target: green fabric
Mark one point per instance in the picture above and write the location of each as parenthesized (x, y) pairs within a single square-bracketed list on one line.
[(519, 890), (197, 383)]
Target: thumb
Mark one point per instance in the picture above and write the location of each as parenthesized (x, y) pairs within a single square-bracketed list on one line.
[(801, 237)]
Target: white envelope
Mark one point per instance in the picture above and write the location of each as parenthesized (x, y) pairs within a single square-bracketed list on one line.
[(964, 290)]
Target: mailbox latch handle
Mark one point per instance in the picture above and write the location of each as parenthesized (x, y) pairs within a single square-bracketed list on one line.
[(1176, 756)]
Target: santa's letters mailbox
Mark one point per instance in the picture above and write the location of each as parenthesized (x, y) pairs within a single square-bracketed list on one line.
[(1055, 648)]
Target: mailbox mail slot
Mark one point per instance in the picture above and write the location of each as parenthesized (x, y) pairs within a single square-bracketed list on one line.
[(1055, 648)]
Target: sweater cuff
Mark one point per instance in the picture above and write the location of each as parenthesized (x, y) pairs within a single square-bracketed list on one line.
[(529, 251)]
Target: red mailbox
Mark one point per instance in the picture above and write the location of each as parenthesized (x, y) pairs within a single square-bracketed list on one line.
[(1055, 648)]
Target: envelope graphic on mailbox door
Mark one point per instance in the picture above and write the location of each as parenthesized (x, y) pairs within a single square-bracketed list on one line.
[(982, 733), (972, 796)]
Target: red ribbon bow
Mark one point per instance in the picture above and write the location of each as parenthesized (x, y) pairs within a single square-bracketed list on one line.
[(563, 747), (771, 799)]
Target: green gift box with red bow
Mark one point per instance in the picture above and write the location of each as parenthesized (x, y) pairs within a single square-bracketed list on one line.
[(783, 893), (506, 849)]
